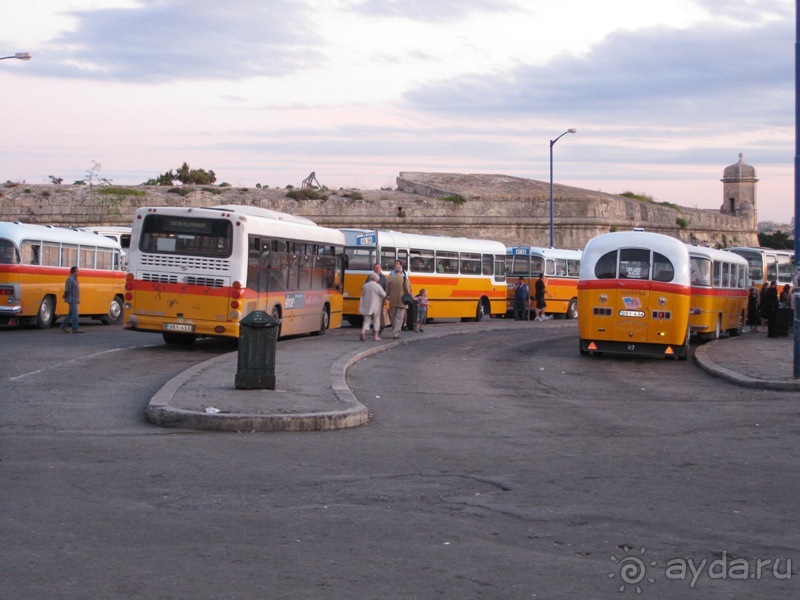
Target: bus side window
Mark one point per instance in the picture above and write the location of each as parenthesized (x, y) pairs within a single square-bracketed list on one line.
[(663, 270), (30, 253), (8, 253), (606, 267)]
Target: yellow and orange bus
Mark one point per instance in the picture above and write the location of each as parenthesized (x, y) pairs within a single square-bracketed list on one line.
[(719, 292), (34, 264), (561, 269), (464, 278), (196, 272), (634, 294), (767, 265)]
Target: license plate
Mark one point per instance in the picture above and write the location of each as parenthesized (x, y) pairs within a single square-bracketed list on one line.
[(181, 327)]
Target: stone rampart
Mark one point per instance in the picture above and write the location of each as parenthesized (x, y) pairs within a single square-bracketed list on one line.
[(511, 210)]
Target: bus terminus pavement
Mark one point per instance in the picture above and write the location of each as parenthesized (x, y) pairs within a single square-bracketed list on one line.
[(464, 278), (560, 268), (195, 272), (634, 293), (34, 265), (719, 292)]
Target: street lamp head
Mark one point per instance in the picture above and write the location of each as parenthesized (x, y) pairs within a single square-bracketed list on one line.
[(23, 55), (572, 130)]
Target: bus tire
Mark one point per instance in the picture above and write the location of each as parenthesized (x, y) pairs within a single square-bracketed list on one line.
[(114, 312), (325, 322), (46, 314), (276, 314), (737, 331), (481, 311), (581, 349), (179, 339), (572, 309)]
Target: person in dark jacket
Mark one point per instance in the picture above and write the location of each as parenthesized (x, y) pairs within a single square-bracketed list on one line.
[(753, 312)]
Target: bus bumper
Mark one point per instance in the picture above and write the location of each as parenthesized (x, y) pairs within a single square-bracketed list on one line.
[(633, 348)]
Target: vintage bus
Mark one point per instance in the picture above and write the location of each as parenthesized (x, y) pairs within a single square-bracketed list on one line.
[(195, 272), (464, 278), (561, 269), (719, 292), (34, 264), (122, 235), (634, 294), (767, 265)]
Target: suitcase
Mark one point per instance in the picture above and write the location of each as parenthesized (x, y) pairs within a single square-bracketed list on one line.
[(411, 315), (783, 321)]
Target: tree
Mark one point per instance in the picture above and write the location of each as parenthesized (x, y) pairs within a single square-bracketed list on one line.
[(778, 240), (186, 175)]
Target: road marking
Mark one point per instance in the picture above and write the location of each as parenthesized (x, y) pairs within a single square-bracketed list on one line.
[(73, 360)]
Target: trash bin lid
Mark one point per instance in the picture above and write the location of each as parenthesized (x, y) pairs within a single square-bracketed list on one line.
[(258, 319)]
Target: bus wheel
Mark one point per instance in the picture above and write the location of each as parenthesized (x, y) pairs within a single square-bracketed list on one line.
[(737, 331), (580, 348), (572, 309), (325, 322), (480, 312), (44, 318), (182, 339), (276, 314), (114, 312)]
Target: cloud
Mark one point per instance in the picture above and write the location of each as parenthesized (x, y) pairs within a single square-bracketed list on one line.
[(427, 10), (184, 40), (655, 75)]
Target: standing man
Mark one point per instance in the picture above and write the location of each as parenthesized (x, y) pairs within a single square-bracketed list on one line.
[(72, 296), (541, 304), (398, 286), (382, 322), (521, 294)]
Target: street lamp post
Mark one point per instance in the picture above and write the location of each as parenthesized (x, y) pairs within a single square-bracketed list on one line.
[(18, 56), (553, 143)]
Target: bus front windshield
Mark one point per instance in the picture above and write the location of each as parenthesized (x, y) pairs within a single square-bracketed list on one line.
[(166, 234)]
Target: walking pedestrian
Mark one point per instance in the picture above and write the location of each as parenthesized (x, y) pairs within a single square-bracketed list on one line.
[(72, 296)]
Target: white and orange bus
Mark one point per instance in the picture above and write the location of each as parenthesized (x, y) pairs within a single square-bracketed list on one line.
[(767, 265), (34, 264), (719, 292), (634, 294), (195, 272), (561, 269), (464, 278)]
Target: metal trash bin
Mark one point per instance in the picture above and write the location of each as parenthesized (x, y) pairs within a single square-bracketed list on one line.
[(258, 337)]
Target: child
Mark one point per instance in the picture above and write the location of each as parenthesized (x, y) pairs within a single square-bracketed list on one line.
[(422, 310)]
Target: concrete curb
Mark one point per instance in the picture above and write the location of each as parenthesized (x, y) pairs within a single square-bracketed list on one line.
[(701, 356), (160, 412)]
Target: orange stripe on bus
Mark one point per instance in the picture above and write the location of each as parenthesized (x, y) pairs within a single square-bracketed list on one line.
[(60, 271), (633, 284)]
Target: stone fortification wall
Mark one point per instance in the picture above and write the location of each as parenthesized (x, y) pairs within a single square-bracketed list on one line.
[(508, 209)]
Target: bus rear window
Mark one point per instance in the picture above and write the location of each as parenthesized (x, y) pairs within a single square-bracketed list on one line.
[(8, 253), (166, 234)]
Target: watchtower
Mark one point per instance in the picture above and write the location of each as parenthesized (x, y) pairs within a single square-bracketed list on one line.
[(739, 191)]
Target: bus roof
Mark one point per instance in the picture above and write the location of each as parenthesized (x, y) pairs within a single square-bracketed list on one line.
[(544, 252), (264, 213), (259, 220), (669, 246), (715, 254), (398, 239), (17, 232)]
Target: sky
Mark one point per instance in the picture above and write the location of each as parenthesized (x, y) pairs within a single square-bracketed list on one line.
[(663, 96)]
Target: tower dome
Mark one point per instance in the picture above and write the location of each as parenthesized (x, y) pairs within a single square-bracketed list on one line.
[(739, 172)]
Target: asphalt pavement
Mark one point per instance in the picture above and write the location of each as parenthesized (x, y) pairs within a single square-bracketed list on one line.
[(311, 392)]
